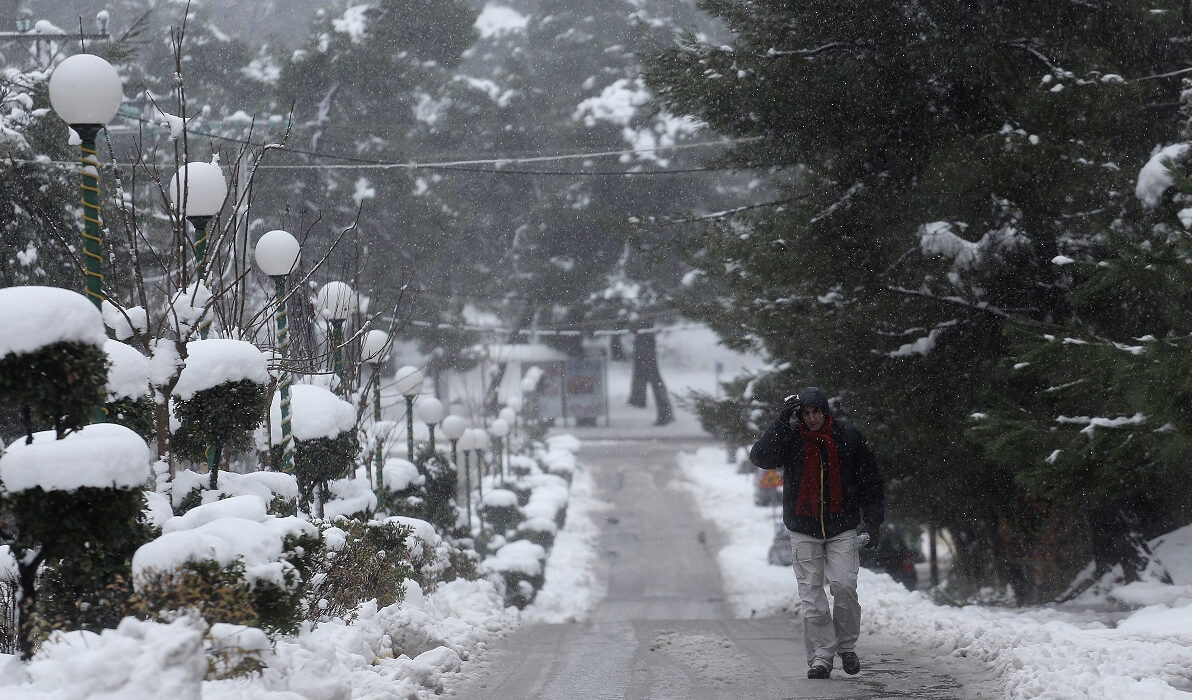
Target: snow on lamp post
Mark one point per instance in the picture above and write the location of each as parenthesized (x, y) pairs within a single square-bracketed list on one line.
[(454, 428), (335, 301), (197, 192), (430, 411), (86, 93), (374, 350), (499, 428), (408, 382), (277, 255)]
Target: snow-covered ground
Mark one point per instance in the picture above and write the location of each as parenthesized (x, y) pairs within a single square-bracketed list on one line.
[(1042, 652)]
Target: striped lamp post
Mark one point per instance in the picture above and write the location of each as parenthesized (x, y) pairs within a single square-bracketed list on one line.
[(86, 93), (277, 255), (197, 192)]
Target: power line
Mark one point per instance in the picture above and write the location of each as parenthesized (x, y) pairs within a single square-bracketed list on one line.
[(461, 164)]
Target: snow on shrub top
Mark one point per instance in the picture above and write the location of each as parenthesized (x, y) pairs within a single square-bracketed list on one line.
[(226, 637), (263, 485), (348, 497), (104, 455), (560, 461), (500, 498), (315, 412), (245, 507), (548, 496), (520, 556), (216, 361), (539, 524), (1153, 179), (569, 443), (34, 317), (224, 531), (128, 377), (399, 474), (424, 537)]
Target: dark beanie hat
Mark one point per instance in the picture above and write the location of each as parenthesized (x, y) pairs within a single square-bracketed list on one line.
[(814, 396)]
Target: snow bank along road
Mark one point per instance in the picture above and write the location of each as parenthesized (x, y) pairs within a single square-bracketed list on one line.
[(663, 630)]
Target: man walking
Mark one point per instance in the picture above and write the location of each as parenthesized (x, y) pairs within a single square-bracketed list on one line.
[(831, 482)]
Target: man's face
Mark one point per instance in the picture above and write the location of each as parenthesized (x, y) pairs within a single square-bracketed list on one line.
[(813, 417)]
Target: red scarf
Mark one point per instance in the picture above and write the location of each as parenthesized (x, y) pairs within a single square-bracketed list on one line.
[(809, 488)]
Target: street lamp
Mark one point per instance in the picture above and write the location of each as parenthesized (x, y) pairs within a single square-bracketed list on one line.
[(467, 443), (277, 255), (454, 428), (335, 301), (479, 444), (509, 415), (499, 428), (408, 382), (197, 192), (86, 93), (430, 411), (374, 350)]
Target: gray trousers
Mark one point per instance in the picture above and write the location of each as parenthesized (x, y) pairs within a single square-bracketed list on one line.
[(832, 561)]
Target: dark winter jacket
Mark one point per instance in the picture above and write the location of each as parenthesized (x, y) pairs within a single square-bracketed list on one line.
[(864, 489)]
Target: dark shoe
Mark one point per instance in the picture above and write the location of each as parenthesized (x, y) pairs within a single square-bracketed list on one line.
[(819, 672), (850, 663)]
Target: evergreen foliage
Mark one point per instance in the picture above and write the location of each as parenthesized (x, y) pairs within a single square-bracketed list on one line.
[(931, 161), (56, 387), (223, 416)]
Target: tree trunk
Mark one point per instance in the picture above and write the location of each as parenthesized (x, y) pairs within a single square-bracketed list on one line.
[(27, 574), (1117, 541), (645, 373)]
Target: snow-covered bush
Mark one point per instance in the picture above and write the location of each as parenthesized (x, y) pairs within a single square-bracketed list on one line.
[(519, 566), (362, 561), (253, 568), (324, 433), (76, 505), (129, 403), (219, 400), (52, 363), (500, 510)]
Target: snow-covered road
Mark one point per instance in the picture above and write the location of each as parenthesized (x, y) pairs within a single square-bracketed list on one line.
[(664, 629)]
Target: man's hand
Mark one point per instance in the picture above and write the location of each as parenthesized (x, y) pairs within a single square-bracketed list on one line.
[(789, 409), (875, 535)]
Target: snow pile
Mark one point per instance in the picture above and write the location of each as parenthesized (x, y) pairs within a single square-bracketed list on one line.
[(315, 412), (1037, 652), (124, 322), (548, 497), (136, 661), (34, 317), (349, 497), (216, 361), (1154, 179), (187, 307), (410, 649), (263, 485), (571, 588), (520, 556), (104, 455), (224, 531), (399, 474), (559, 460), (399, 651), (495, 20), (128, 375), (500, 498)]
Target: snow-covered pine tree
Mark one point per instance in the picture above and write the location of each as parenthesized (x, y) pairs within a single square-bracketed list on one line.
[(931, 159)]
